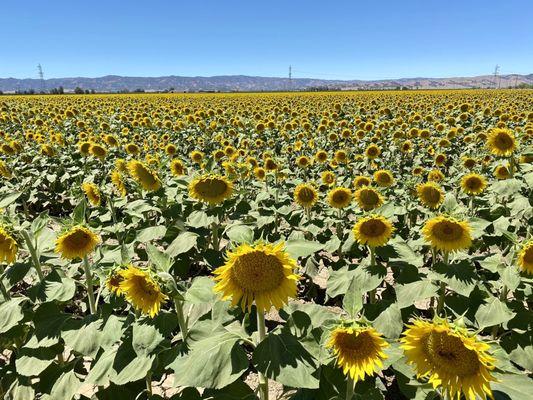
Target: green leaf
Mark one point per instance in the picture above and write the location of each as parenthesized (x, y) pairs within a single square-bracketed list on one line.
[(199, 219), (160, 260), (201, 291), (478, 226), (494, 312), (213, 362), (65, 387), (390, 322), (78, 215), (410, 293), (31, 362), (407, 254), (182, 243), (238, 390), (511, 387), (8, 199), (82, 336), (151, 233), (145, 338), (302, 248), (132, 370), (353, 299), (11, 313), (240, 234), (281, 357)]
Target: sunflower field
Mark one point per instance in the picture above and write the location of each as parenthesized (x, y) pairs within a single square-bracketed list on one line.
[(338, 245)]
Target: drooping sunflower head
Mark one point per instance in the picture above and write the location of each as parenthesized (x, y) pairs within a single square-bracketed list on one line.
[(501, 172), (144, 175), (92, 192), (374, 230), (473, 184), (361, 181), (368, 198), (447, 233), (8, 247), (260, 273), (77, 242), (118, 182), (142, 290), (358, 350), (305, 195), (339, 197), (450, 357), (177, 168), (211, 188), (383, 178), (430, 194), (113, 281), (525, 258), (501, 142), (85, 148)]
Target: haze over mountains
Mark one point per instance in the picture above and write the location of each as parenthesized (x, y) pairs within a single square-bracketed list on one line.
[(230, 83)]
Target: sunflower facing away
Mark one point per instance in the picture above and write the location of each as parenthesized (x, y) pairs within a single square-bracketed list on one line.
[(8, 247), (142, 291), (339, 197), (118, 182), (450, 357), (358, 350), (263, 273), (501, 142), (447, 234), (77, 242), (374, 230), (211, 188), (473, 184), (525, 258), (368, 198), (305, 195), (430, 194), (113, 282), (92, 192), (144, 176)]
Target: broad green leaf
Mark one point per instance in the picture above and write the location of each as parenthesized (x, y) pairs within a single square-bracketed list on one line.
[(511, 387), (407, 254), (390, 322), (213, 362), (353, 299), (302, 248), (201, 291), (160, 260), (11, 313), (145, 338), (8, 199), (478, 226), (82, 336), (240, 234), (182, 243), (65, 387), (410, 293), (494, 312), (199, 219), (151, 233), (280, 356)]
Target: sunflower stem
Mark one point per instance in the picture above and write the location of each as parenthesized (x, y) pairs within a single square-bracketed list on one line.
[(372, 293), (149, 383), (442, 294), (88, 282), (182, 322), (3, 289), (263, 380), (503, 297), (33, 254), (350, 385)]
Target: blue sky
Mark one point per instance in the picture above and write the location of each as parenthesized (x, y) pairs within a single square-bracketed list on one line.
[(323, 39)]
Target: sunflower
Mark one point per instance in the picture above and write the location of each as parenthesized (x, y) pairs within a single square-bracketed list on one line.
[(8, 247), (305, 195), (435, 175), (143, 175), (451, 357), (372, 151), (447, 234), (361, 181), (525, 258), (339, 197), (383, 178), (85, 148), (211, 188), (132, 148), (374, 230), (197, 156), (328, 178), (5, 171), (142, 290), (92, 192), (358, 350), (430, 194), (368, 198), (263, 273), (303, 161), (321, 156), (113, 282), (473, 184), (118, 183), (177, 168), (98, 151), (77, 242), (501, 172), (501, 142)]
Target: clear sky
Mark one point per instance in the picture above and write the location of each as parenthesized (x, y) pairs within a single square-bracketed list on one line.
[(322, 39)]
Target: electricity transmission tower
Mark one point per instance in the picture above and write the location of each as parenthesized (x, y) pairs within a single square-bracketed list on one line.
[(496, 78), (41, 76)]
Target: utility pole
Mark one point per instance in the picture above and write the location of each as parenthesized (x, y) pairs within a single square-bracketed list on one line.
[(41, 76)]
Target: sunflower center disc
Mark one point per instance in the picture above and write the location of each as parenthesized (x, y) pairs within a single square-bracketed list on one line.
[(373, 228), (359, 346), (77, 240), (369, 197), (448, 231), (448, 354), (258, 272), (306, 195), (211, 187)]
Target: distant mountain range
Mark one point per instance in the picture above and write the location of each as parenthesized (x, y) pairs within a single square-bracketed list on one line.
[(241, 83)]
